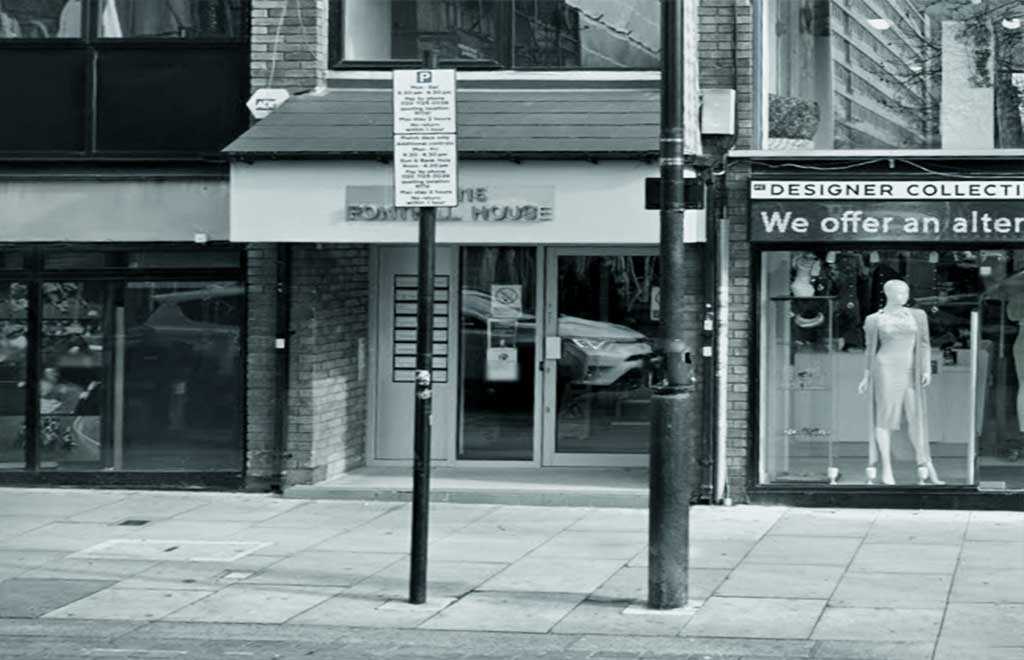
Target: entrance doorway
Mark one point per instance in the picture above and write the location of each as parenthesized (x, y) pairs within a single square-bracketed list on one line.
[(542, 356)]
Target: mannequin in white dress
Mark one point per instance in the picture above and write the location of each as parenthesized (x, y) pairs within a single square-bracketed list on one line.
[(898, 353)]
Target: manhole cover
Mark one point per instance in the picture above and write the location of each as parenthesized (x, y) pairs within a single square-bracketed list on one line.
[(168, 550)]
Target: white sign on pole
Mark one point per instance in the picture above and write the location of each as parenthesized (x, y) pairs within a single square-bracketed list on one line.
[(425, 149)]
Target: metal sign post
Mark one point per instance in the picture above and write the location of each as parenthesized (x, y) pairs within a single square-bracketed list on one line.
[(425, 169)]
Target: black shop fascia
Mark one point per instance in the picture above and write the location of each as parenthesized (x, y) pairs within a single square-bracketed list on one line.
[(826, 253)]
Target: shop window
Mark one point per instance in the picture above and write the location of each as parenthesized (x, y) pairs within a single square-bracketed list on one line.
[(498, 33), (893, 366), (40, 19), (893, 74), (134, 372), (203, 258), (169, 19)]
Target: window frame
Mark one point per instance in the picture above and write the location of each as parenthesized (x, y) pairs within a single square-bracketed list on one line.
[(336, 50), (92, 47)]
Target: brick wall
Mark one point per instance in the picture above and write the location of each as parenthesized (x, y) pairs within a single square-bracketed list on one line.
[(726, 61), (261, 390), (328, 371), (289, 44)]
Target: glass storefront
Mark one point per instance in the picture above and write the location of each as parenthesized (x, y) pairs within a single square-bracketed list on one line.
[(884, 366), (137, 367), (578, 34), (893, 74), (117, 19)]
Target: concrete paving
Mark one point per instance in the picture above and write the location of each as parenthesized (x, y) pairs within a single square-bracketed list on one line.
[(223, 575)]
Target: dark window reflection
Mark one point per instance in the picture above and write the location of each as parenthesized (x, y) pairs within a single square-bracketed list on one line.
[(183, 375)]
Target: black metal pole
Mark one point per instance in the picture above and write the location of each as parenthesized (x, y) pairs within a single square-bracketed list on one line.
[(669, 513), (424, 398)]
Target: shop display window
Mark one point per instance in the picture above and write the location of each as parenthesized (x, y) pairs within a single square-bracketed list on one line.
[(893, 74), (892, 367), (577, 34), (138, 372)]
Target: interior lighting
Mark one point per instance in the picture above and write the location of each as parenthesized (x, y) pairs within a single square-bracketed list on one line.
[(1011, 23), (879, 23)]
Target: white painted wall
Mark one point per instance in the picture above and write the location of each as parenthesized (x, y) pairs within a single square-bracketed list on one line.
[(304, 201)]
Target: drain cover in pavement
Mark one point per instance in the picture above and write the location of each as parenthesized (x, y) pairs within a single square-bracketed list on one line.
[(160, 550)]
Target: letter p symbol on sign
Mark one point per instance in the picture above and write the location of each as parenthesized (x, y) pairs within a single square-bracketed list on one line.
[(424, 76)]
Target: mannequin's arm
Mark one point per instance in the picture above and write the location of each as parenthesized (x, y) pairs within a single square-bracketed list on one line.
[(1015, 309), (870, 346), (925, 345)]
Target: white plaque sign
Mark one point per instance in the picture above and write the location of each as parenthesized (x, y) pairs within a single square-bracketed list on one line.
[(426, 154)]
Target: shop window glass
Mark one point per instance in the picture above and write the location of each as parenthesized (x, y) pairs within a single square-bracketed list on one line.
[(182, 376), (71, 260), (894, 74), (12, 260), (13, 350), (201, 258), (854, 382), (40, 19), (169, 19), (504, 33)]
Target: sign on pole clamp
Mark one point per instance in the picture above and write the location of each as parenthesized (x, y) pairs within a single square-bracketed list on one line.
[(425, 145)]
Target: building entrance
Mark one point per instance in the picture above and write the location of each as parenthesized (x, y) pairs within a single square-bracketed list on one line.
[(542, 356)]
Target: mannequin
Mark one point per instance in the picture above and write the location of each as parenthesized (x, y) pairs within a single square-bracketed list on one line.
[(898, 353), (1015, 312)]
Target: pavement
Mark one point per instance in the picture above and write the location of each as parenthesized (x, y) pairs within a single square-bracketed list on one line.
[(137, 574)]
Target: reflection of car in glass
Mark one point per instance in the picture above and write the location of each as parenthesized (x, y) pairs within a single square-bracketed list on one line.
[(594, 353)]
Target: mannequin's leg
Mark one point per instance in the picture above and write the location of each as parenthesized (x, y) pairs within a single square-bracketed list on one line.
[(917, 429), (884, 442), (1018, 361)]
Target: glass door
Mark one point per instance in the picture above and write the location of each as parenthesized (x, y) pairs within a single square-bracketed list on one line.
[(602, 317)]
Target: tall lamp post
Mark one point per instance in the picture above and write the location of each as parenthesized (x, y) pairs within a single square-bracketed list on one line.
[(669, 508)]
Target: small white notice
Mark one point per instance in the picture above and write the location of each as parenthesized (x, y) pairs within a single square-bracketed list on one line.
[(426, 170), (426, 151), (506, 301), (266, 100)]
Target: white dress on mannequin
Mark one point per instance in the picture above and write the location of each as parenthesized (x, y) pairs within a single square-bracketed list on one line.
[(1015, 312)]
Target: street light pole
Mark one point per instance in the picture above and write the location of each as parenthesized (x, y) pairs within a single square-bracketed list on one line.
[(669, 507)]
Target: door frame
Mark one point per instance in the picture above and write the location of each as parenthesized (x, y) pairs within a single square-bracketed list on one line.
[(550, 456)]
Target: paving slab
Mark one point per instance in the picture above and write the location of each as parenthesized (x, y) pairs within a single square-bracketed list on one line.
[(14, 525), (988, 585), (323, 568), (284, 541), (70, 568), (505, 546), (873, 650), (1003, 528), (343, 515), (781, 581), (554, 575), (592, 545), (191, 530), (929, 532), (768, 618), (997, 555), (64, 537), (128, 604), (444, 578), (899, 590), (905, 558), (802, 550), (610, 618), (987, 624), (240, 603), (53, 628), (33, 597), (829, 522), (143, 506), (877, 623), (630, 584), (696, 647), (239, 508), (354, 609), (54, 502), (16, 562), (197, 575), (505, 611)]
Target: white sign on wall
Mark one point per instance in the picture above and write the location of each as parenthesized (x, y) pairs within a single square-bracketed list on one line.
[(425, 148), (266, 100)]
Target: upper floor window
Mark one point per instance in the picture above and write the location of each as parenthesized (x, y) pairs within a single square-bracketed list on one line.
[(550, 34), (120, 19), (893, 74), (123, 77)]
